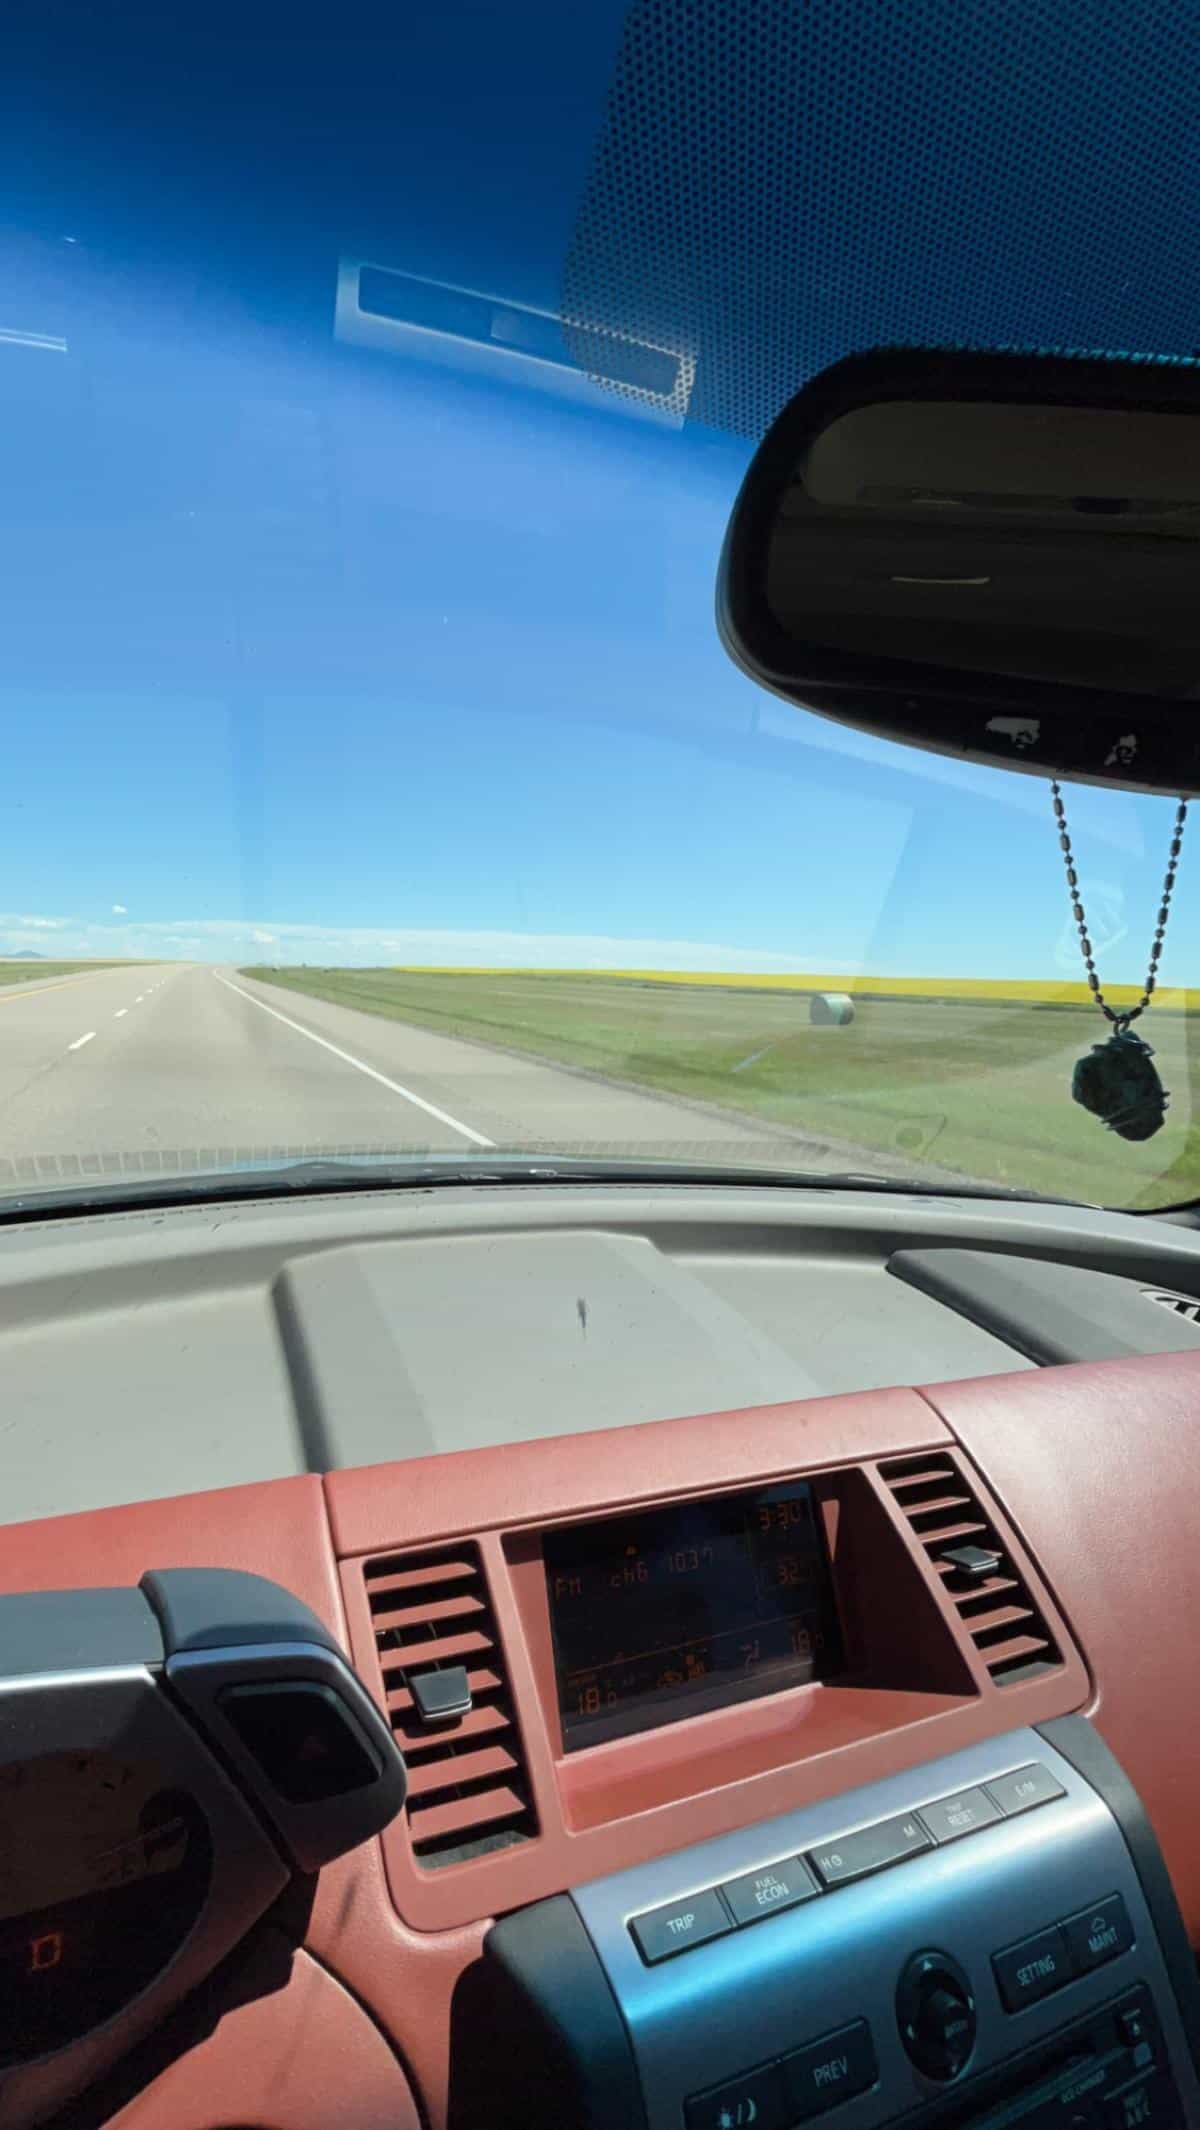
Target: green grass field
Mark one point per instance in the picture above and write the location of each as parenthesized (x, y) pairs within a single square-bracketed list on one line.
[(979, 1087), (28, 972)]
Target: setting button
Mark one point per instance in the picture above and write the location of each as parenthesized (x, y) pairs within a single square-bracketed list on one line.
[(1032, 1969), (1025, 1788), (951, 1817), (760, 1893), (757, 2099), (1099, 1934), (663, 1932), (830, 2070), (853, 1856)]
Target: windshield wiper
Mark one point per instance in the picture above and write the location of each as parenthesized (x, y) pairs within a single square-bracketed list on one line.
[(439, 1172)]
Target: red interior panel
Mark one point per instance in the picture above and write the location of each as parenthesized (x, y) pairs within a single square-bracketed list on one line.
[(924, 1691), (1093, 1468), (304, 2057), (278, 1528), (381, 1506), (1098, 1467)]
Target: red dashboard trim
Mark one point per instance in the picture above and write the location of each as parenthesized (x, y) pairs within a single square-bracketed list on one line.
[(1099, 1466), (1095, 1467), (618, 1804), (379, 1507), (304, 2057)]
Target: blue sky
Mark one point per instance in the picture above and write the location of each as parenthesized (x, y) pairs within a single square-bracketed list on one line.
[(316, 650)]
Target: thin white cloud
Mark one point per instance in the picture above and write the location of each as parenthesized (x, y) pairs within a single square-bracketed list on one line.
[(119, 910), (41, 924), (230, 939)]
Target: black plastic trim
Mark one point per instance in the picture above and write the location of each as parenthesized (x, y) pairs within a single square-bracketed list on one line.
[(1081, 1744), (76, 1630), (563, 2058), (941, 709), (1050, 1313), (223, 1608)]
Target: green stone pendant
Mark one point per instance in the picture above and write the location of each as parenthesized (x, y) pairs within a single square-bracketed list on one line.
[(1118, 1082)]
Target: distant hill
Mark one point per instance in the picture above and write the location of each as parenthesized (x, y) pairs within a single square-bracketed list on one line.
[(27, 954)]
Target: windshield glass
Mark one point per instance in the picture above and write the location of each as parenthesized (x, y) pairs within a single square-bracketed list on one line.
[(374, 393)]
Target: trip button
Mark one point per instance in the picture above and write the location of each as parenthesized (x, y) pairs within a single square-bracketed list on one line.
[(757, 2098), (1101, 1933), (760, 1893), (1025, 1788), (871, 1849), (830, 2070), (951, 1817), (1031, 1970), (663, 1932)]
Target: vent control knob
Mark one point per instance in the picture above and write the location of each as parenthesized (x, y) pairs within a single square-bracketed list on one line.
[(935, 2010)]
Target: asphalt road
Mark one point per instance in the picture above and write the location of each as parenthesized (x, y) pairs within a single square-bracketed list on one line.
[(181, 1066)]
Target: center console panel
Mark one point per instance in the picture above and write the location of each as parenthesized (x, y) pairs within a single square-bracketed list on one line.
[(971, 1940)]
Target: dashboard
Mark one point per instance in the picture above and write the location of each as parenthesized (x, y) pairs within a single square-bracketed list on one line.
[(830, 1754)]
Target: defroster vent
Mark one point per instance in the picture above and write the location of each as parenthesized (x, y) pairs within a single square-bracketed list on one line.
[(965, 1552), (468, 1787)]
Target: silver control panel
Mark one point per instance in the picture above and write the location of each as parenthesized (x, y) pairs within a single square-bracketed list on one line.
[(874, 1953)]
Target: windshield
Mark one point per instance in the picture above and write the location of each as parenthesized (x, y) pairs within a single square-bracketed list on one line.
[(374, 392)]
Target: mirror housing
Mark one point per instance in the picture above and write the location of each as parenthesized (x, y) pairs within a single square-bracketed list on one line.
[(995, 556)]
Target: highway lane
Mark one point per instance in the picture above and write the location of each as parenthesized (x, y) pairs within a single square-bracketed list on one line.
[(183, 1066)]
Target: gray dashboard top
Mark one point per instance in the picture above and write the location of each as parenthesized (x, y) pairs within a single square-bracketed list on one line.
[(159, 1352)]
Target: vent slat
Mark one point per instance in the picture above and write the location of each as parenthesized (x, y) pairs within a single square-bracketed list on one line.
[(482, 1722), (433, 1777), (1018, 1646), (468, 1787), (480, 1679), (422, 1578), (1003, 1616), (916, 1510), (443, 1649), (430, 1823), (973, 1598), (999, 1613), (950, 1533), (400, 1619)]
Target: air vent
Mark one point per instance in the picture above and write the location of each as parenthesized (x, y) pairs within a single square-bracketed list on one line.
[(1182, 1304), (468, 1788), (966, 1553)]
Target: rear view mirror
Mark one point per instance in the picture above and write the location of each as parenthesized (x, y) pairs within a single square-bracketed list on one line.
[(993, 556)]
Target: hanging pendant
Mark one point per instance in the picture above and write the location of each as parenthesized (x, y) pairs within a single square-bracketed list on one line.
[(1118, 1082)]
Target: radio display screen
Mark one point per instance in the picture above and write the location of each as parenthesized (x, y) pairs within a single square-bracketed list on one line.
[(667, 1612)]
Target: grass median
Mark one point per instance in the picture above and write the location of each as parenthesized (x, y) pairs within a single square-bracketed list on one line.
[(979, 1086), (28, 972)]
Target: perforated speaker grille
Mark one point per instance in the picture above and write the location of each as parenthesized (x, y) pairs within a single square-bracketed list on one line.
[(780, 182)]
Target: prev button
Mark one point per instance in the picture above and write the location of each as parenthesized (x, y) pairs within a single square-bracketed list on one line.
[(830, 2070)]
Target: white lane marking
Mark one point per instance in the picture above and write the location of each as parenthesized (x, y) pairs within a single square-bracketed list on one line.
[(80, 1040), (406, 1093), (121, 1015)]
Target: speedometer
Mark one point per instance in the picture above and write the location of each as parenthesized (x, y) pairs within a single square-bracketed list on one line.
[(103, 1870)]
